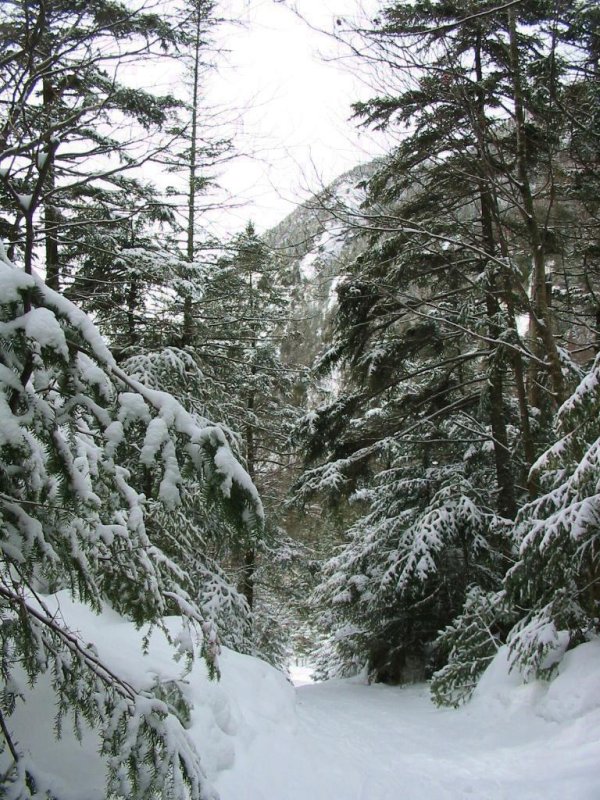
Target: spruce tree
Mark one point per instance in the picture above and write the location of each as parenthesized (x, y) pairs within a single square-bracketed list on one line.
[(75, 129), (79, 440), (239, 315), (555, 584)]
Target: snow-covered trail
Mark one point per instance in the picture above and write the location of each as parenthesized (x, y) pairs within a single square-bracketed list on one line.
[(350, 741), (389, 743), (261, 739)]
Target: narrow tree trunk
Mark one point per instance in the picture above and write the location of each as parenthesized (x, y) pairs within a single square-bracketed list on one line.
[(517, 363), (543, 342), (188, 319), (28, 258), (50, 216), (132, 307), (507, 505), (250, 557), (249, 569), (52, 258), (494, 236)]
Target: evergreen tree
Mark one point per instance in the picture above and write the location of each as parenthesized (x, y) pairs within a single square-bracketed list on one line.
[(550, 600), (464, 228), (239, 318), (406, 564), (117, 240), (468, 645), (484, 131), (555, 584), (125, 275), (414, 431), (73, 126), (80, 441)]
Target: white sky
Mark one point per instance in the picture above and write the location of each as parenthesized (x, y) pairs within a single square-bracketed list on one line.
[(292, 108)]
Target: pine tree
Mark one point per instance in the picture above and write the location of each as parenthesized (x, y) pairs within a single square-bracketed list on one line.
[(575, 268), (486, 109), (79, 440), (115, 237), (73, 126), (239, 318), (556, 581)]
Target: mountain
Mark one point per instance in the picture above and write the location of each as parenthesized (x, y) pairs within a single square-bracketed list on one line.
[(314, 245)]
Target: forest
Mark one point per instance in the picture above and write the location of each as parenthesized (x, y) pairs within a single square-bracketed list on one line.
[(368, 438)]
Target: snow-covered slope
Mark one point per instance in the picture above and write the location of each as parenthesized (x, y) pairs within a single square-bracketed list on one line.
[(224, 715), (343, 740)]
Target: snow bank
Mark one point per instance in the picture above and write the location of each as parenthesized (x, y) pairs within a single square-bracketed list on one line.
[(225, 716), (573, 693)]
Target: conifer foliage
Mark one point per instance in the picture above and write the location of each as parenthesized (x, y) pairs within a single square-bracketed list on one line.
[(239, 315), (94, 461), (68, 103), (460, 332), (557, 577), (74, 517)]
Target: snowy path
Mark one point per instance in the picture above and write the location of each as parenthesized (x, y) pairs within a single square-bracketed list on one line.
[(349, 741), (260, 739)]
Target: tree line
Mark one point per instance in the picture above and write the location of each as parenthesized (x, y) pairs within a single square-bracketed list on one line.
[(467, 336)]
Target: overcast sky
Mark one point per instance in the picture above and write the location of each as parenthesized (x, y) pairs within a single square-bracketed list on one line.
[(292, 107)]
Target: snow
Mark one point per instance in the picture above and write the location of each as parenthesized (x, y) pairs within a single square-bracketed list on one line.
[(325, 249), (11, 432), (13, 281), (40, 324), (587, 387), (332, 297), (300, 674), (351, 741), (307, 266), (261, 739), (200, 432), (79, 320)]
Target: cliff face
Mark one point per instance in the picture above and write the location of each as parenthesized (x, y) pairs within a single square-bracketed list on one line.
[(315, 244)]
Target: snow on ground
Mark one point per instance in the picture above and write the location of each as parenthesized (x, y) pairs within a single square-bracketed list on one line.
[(350, 741), (261, 739), (300, 675)]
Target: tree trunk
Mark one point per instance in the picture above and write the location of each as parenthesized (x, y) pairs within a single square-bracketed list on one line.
[(50, 216), (188, 319), (543, 343), (249, 568), (507, 505)]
